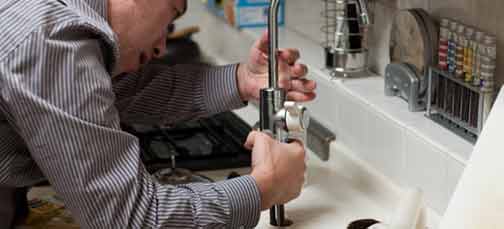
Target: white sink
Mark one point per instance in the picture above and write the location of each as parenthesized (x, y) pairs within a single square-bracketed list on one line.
[(337, 192)]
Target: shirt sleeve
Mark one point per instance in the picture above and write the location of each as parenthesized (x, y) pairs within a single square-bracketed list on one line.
[(59, 98), (167, 94)]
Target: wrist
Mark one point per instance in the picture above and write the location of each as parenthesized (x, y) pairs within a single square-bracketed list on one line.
[(265, 186), (241, 78)]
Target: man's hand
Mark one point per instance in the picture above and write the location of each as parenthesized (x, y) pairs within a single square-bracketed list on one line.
[(253, 75), (278, 168)]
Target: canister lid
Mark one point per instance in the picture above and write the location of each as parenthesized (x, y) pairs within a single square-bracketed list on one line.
[(445, 22), (460, 29), (445, 33), (469, 33), (490, 39), (479, 35), (453, 25)]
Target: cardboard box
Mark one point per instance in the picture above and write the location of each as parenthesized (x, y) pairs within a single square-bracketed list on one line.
[(246, 13), (215, 6)]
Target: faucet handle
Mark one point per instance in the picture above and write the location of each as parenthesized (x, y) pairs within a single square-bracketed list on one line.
[(297, 117)]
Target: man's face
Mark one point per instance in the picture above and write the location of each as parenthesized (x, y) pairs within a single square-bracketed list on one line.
[(141, 26)]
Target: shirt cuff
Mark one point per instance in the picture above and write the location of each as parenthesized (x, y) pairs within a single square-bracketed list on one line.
[(244, 200), (221, 91)]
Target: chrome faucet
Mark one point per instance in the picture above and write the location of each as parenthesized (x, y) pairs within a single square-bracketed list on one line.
[(279, 118)]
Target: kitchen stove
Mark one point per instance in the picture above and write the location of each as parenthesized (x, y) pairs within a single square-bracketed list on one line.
[(211, 143)]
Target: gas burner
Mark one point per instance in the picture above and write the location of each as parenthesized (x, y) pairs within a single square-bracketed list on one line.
[(212, 143)]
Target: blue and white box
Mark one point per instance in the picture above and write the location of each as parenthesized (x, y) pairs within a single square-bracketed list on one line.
[(248, 13), (254, 13)]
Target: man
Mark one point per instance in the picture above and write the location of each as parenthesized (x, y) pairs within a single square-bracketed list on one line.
[(62, 100)]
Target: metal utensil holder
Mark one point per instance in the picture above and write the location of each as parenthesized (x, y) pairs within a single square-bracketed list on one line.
[(346, 33), (449, 97)]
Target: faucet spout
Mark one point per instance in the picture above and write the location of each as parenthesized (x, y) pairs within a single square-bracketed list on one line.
[(278, 118), (273, 43)]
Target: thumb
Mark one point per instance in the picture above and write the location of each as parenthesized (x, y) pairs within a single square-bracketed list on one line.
[(263, 43), (260, 149), (249, 143), (258, 142)]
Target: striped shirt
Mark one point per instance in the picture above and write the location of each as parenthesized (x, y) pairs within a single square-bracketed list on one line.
[(60, 114)]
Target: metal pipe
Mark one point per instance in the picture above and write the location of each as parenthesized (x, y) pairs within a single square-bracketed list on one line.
[(272, 102), (273, 43)]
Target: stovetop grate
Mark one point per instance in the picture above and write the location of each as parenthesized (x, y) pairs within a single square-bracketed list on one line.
[(208, 144)]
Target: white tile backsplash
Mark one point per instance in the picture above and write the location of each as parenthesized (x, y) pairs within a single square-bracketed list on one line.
[(426, 168), (386, 149), (453, 146), (354, 116), (454, 170)]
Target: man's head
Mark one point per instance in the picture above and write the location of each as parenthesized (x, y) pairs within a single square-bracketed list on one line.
[(141, 26)]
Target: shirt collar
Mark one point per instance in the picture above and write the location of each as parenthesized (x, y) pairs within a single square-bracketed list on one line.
[(92, 8), (96, 12)]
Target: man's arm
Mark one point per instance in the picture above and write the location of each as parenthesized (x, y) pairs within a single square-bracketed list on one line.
[(60, 99), (166, 94)]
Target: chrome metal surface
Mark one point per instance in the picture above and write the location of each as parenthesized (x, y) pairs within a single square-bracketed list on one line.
[(346, 32), (402, 80), (273, 43), (430, 82), (271, 103), (276, 118), (349, 62), (272, 100), (295, 116), (319, 139)]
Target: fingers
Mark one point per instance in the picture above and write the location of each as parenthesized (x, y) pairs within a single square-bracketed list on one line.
[(287, 73), (301, 96), (290, 56), (263, 43), (249, 143), (303, 85), (298, 71), (288, 59), (256, 139), (259, 58), (301, 90)]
